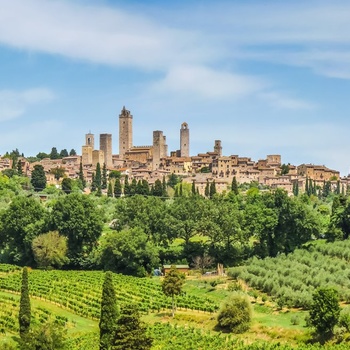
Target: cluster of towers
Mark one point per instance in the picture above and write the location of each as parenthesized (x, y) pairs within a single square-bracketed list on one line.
[(127, 151), (103, 155)]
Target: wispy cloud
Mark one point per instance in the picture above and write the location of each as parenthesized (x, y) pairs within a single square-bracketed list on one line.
[(14, 103), (208, 83), (282, 101)]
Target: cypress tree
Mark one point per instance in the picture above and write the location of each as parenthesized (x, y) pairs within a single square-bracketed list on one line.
[(81, 175), (307, 186), (180, 190), (193, 188), (109, 313), (104, 177), (207, 189), (24, 306), (145, 186), (98, 178), (126, 186), (164, 188), (93, 183), (234, 186), (158, 188), (133, 187), (212, 190), (117, 188), (131, 331), (139, 187), (19, 168), (110, 190)]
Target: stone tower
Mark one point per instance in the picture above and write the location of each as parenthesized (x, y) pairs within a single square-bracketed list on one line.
[(90, 140), (218, 148), (184, 140), (160, 148), (106, 148), (87, 149), (125, 132)]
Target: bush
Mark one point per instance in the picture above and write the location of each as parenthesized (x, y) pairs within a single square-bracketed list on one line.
[(235, 315), (344, 318)]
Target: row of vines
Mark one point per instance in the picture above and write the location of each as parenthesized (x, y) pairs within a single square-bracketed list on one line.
[(291, 279)]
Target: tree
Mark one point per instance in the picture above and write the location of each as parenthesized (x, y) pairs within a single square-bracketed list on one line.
[(114, 174), (42, 155), (193, 188), (173, 180), (235, 316), (72, 152), (38, 178), (117, 188), (58, 172), (63, 153), (109, 313), (104, 177), (24, 219), (98, 177), (66, 185), (110, 189), (50, 249), (212, 190), (324, 311), (24, 306), (93, 183), (49, 336), (54, 154), (128, 251), (77, 217), (19, 168), (164, 187), (158, 189), (81, 176), (234, 186), (131, 331), (207, 189), (172, 285), (127, 191)]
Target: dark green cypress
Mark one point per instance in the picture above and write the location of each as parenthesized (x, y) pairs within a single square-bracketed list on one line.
[(193, 188), (93, 183), (164, 188), (117, 188), (81, 175), (234, 186), (19, 168), (212, 190), (126, 186), (98, 178), (109, 313), (24, 306), (131, 331), (104, 177), (207, 189), (110, 190)]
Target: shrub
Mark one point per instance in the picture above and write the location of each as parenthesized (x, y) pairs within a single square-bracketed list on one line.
[(344, 318), (235, 315)]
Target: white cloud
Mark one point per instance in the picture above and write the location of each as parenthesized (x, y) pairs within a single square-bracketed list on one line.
[(281, 101), (208, 83), (15, 103)]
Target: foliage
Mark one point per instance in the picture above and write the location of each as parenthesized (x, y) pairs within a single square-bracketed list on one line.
[(50, 249), (24, 219), (131, 331), (129, 252), (38, 178), (172, 285), (344, 318), (24, 308), (109, 313), (67, 185), (49, 336), (235, 315), (77, 217), (324, 311)]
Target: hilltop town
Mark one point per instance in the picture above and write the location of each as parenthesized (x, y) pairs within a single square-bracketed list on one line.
[(152, 162)]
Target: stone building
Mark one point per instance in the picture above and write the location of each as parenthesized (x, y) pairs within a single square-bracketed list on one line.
[(184, 140), (125, 132), (87, 149), (106, 148), (160, 148)]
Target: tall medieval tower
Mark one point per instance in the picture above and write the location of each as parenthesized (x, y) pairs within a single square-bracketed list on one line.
[(87, 149), (106, 148), (125, 132), (160, 148), (218, 147), (184, 140)]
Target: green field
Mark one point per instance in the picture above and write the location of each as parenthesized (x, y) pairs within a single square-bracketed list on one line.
[(72, 299)]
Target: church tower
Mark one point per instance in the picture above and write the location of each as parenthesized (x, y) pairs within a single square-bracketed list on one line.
[(184, 140), (125, 132)]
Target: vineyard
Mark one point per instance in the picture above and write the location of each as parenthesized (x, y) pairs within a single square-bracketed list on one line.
[(291, 279)]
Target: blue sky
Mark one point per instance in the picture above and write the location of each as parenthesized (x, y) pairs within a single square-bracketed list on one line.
[(264, 77)]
